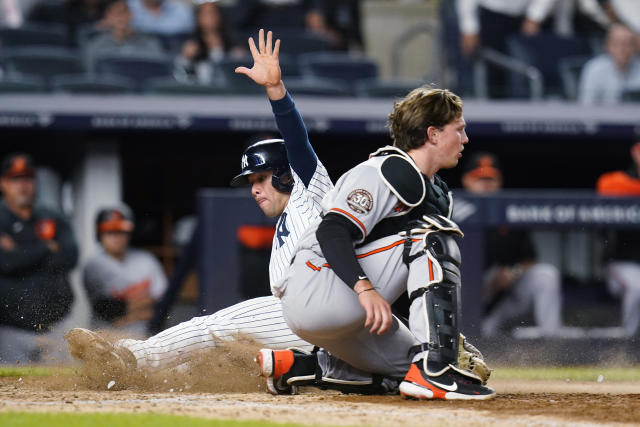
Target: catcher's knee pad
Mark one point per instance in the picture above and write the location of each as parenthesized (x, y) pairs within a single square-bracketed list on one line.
[(434, 278)]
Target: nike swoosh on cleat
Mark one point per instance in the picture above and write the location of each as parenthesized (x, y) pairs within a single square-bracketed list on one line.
[(448, 387)]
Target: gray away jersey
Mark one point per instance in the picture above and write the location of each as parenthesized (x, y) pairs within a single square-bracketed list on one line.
[(303, 209)]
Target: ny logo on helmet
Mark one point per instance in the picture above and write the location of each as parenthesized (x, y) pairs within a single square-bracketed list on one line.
[(255, 160)]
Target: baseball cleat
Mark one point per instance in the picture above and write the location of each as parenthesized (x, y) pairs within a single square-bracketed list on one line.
[(452, 384), (90, 347), (276, 367)]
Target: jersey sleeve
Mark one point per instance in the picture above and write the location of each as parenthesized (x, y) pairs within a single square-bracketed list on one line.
[(362, 197), (302, 158)]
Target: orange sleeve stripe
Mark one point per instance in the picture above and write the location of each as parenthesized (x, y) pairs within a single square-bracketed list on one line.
[(353, 218), (315, 267)]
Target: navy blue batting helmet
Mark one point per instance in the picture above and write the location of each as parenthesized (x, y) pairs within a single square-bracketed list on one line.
[(269, 154)]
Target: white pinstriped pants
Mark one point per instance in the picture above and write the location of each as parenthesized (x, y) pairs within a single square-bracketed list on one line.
[(258, 318)]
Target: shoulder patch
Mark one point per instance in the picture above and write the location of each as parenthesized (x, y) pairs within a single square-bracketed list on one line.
[(403, 179)]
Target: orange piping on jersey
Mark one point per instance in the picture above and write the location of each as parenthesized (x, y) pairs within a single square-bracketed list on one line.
[(315, 267), (430, 271), (384, 248), (373, 252), (364, 229)]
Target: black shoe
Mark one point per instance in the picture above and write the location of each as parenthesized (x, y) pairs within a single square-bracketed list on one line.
[(450, 384)]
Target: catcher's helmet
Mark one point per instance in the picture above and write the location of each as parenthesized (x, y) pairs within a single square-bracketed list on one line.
[(269, 154), (112, 219)]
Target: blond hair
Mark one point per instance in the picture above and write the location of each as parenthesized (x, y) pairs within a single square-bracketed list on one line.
[(421, 108)]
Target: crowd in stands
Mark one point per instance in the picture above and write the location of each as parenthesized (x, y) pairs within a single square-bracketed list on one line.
[(570, 42)]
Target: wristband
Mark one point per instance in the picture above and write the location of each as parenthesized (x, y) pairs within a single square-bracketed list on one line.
[(365, 290)]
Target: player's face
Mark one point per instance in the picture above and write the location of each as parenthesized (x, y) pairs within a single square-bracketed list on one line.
[(271, 201), (18, 192), (451, 140), (115, 243)]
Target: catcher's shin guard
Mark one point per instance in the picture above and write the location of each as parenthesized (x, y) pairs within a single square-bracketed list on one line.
[(434, 291)]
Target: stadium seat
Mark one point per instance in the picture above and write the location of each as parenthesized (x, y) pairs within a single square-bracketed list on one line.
[(344, 67), (238, 83), (386, 88), (570, 69), (169, 86), (543, 51), (44, 62), (297, 41), (86, 84), (33, 35), (22, 85), (139, 69), (317, 86), (631, 95)]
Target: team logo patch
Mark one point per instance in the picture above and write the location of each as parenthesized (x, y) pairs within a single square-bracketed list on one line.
[(360, 201)]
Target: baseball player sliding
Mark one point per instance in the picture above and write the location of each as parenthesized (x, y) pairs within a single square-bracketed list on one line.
[(288, 181), (386, 230)]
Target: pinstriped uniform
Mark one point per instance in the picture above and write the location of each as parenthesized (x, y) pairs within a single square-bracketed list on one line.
[(259, 318)]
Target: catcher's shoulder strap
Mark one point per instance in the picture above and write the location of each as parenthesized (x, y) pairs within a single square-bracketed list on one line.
[(398, 171)]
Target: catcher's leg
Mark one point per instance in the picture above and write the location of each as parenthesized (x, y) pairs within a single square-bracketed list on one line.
[(434, 291)]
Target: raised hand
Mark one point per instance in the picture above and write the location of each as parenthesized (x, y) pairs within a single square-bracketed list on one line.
[(266, 67)]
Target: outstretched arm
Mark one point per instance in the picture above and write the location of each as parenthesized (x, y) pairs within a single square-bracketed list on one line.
[(266, 72)]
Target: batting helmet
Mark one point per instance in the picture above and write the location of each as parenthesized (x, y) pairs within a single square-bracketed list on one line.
[(112, 219), (269, 154)]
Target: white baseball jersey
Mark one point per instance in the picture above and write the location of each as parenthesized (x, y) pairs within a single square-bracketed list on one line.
[(259, 318), (304, 208)]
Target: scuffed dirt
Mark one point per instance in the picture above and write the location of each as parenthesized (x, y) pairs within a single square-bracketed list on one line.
[(224, 383)]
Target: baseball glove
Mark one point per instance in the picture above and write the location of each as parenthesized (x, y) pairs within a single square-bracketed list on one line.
[(470, 359)]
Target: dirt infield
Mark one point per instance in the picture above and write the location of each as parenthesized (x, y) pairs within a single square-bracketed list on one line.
[(225, 384), (518, 403)]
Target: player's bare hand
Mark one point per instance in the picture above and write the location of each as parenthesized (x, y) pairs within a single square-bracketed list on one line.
[(378, 310), (266, 66)]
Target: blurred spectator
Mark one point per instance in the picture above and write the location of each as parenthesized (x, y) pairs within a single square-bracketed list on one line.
[(83, 14), (37, 251), (605, 77), (489, 23), (120, 38), (282, 15), (625, 11), (122, 283), (13, 12), (514, 280), (343, 24), (163, 17), (210, 43), (623, 270)]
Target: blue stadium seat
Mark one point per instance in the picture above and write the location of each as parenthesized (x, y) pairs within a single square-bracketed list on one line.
[(344, 67), (44, 62), (238, 83), (570, 70), (297, 41), (170, 86), (86, 84), (317, 86), (631, 95), (33, 35), (386, 88), (139, 69), (543, 51), (22, 85)]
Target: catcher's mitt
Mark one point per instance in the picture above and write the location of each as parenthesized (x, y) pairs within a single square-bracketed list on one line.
[(470, 359)]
